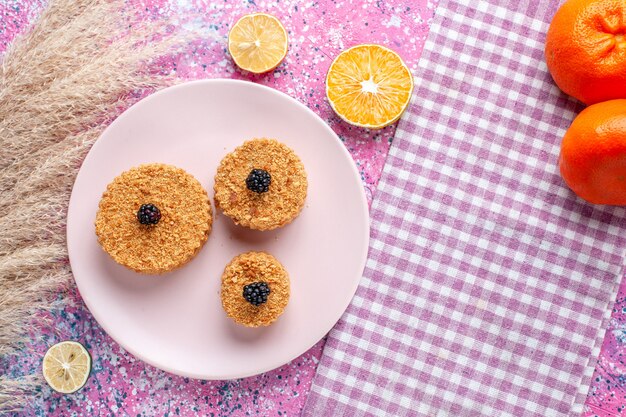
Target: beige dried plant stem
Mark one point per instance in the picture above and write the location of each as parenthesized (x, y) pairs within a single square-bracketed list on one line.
[(60, 84)]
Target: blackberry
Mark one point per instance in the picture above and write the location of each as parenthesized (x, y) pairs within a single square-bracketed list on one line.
[(256, 293), (259, 181), (148, 214)]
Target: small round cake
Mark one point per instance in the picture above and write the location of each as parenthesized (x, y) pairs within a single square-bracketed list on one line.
[(153, 218), (261, 185), (255, 289)]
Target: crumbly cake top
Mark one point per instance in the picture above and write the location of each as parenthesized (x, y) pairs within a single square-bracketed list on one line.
[(183, 229), (245, 269), (264, 211)]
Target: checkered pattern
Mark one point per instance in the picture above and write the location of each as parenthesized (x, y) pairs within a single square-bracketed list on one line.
[(488, 282)]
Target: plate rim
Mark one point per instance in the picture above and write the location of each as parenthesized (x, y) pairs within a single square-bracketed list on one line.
[(271, 365)]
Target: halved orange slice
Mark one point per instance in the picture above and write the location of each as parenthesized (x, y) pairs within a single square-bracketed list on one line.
[(369, 86), (257, 42)]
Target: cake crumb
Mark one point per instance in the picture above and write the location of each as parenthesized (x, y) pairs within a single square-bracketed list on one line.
[(186, 218), (245, 269), (265, 211)]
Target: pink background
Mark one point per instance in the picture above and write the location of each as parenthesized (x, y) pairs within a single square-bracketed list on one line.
[(318, 31)]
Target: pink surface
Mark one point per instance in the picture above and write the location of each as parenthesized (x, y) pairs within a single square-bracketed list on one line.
[(175, 321), (318, 31), (607, 394)]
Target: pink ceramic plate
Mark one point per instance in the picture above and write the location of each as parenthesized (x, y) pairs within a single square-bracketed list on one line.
[(175, 321)]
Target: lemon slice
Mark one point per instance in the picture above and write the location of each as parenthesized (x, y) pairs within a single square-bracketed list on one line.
[(257, 42), (66, 366), (369, 86)]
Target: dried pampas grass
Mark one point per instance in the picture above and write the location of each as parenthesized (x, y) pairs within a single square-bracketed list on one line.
[(60, 84)]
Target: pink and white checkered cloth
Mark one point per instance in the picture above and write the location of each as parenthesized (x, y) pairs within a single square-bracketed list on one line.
[(488, 283)]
